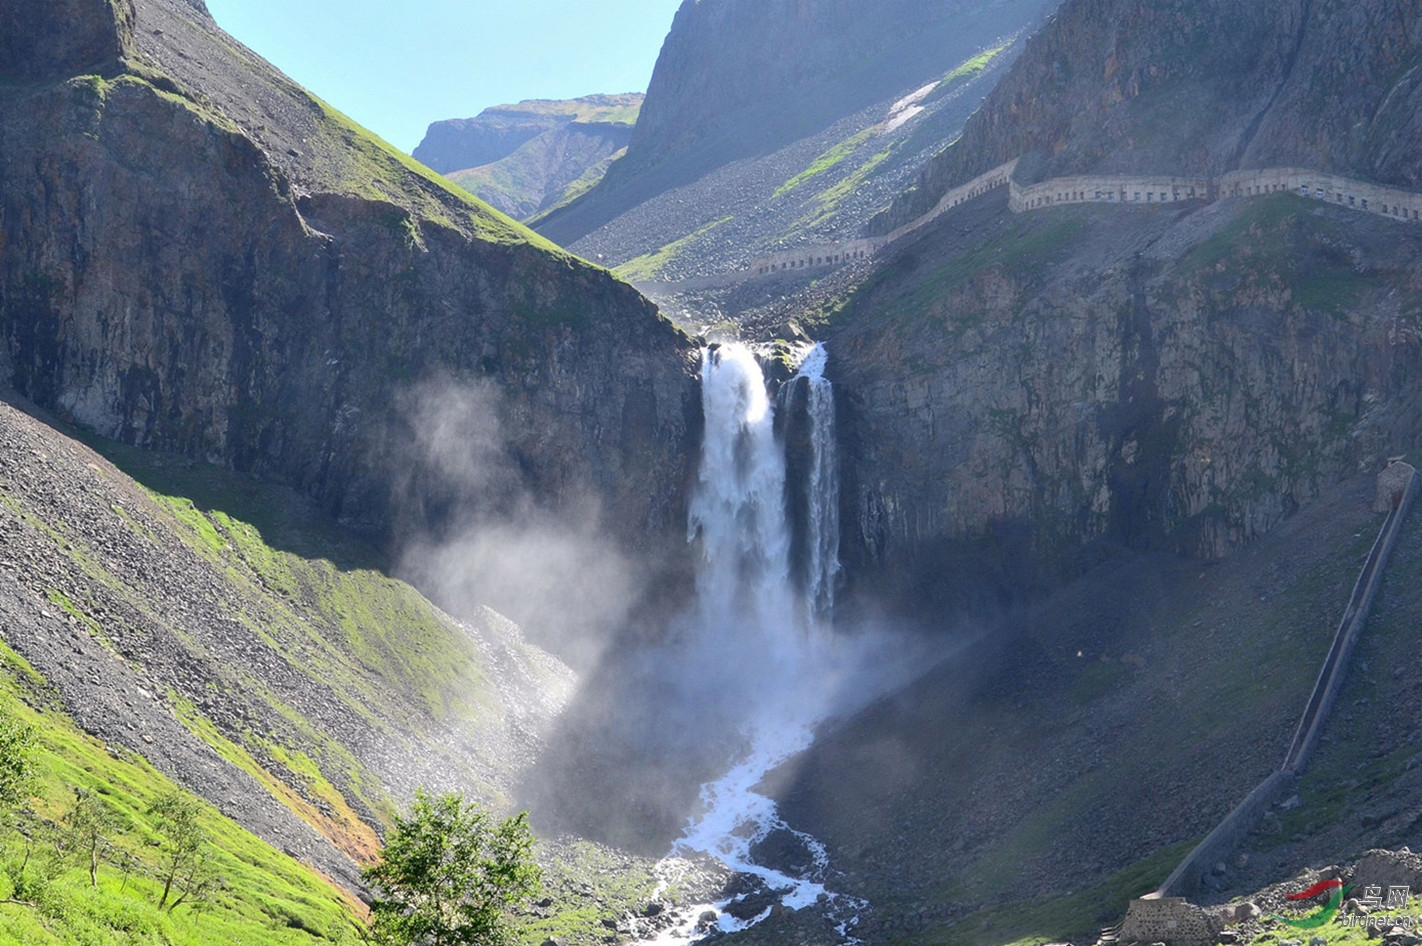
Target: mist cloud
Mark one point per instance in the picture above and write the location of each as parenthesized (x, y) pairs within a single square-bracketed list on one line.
[(475, 531)]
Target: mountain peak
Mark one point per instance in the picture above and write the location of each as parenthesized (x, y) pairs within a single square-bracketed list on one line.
[(457, 144)]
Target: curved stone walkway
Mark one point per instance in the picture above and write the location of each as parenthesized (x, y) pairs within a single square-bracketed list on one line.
[(1123, 189)]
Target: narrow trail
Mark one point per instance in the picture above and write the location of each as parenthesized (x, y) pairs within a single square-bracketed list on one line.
[(1134, 190)]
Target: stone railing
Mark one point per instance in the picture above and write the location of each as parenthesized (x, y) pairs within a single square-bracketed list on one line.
[(1345, 192), (1146, 189), (807, 257), (1127, 189), (989, 180)]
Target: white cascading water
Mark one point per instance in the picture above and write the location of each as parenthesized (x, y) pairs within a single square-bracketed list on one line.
[(749, 617), (823, 536), (738, 507)]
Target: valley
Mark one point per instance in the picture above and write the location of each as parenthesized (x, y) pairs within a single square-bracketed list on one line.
[(897, 485)]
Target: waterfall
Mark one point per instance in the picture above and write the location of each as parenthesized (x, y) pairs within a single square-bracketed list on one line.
[(737, 509), (756, 637), (823, 488)]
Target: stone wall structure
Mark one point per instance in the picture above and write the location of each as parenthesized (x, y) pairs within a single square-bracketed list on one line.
[(1129, 189), (1392, 486), (988, 180), (1112, 190), (1172, 920), (807, 257), (1357, 195), (1132, 189)]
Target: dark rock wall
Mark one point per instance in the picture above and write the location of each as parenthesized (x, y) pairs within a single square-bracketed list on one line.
[(170, 278), (1149, 380), (1176, 380), (49, 39), (1184, 87)]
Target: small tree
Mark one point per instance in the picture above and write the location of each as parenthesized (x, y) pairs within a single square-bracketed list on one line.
[(196, 883), (87, 827), (449, 875), (17, 785), (178, 823), (17, 765)]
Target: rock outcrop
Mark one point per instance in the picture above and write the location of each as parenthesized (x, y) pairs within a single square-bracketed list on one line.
[(1167, 379), (40, 41), (1172, 87), (200, 256)]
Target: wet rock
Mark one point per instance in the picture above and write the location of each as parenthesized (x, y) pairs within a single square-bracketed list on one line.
[(752, 906), (785, 851)]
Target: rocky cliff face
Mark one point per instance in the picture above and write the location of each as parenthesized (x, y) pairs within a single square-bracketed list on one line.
[(736, 80), (200, 256), (1179, 378), (1173, 87), (1155, 380), (57, 40)]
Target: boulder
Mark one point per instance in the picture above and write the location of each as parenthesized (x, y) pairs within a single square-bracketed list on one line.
[(1384, 869)]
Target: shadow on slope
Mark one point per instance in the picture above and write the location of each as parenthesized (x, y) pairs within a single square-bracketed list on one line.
[(287, 520), (1090, 738)]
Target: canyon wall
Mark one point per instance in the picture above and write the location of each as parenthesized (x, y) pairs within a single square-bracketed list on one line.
[(1170, 87), (199, 256)]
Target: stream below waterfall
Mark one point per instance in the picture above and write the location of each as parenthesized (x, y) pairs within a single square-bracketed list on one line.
[(765, 612)]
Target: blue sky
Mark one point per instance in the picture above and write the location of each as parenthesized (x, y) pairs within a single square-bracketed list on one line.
[(397, 66)]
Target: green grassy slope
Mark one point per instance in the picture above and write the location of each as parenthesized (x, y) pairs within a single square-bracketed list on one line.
[(270, 634), (320, 149), (149, 565), (266, 897)]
